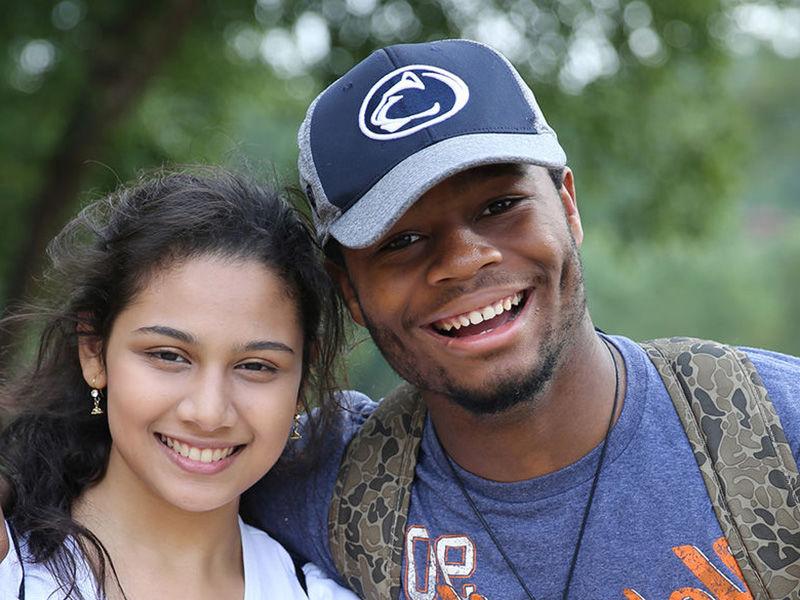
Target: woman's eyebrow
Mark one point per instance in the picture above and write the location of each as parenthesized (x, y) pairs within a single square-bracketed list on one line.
[(265, 345), (188, 338), (177, 334)]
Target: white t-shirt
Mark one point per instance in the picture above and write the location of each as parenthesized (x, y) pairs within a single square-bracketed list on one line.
[(268, 573)]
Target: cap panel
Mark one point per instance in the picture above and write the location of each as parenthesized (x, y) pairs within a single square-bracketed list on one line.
[(380, 208), (401, 111), (526, 91), (323, 212)]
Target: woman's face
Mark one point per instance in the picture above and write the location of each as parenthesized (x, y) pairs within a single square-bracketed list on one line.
[(202, 371)]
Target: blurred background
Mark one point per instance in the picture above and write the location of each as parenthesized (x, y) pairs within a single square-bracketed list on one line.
[(681, 120)]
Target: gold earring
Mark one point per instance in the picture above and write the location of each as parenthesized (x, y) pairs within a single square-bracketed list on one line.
[(295, 434), (95, 394)]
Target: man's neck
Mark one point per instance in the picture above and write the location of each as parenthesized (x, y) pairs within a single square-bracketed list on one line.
[(568, 418)]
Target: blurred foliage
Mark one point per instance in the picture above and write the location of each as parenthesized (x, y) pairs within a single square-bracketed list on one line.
[(680, 120)]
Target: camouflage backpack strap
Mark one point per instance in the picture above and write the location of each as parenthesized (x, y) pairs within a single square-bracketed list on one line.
[(743, 455), (367, 517)]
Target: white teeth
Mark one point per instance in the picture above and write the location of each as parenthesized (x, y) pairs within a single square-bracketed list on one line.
[(479, 315), (475, 317), (203, 455)]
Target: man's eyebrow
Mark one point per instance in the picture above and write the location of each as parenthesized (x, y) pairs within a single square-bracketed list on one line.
[(265, 345), (468, 178), (177, 334)]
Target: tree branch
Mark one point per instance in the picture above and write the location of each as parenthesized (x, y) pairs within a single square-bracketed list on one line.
[(128, 53)]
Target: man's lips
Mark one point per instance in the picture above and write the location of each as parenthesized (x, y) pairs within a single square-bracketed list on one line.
[(480, 318)]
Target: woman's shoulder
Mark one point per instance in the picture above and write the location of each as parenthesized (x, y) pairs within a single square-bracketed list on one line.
[(269, 568), (10, 568), (259, 545), (39, 582)]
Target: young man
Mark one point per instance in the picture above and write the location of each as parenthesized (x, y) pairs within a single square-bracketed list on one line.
[(552, 461)]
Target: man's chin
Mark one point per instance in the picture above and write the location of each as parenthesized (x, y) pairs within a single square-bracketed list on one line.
[(503, 395)]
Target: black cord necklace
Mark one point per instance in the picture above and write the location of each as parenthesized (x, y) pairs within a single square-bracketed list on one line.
[(586, 511)]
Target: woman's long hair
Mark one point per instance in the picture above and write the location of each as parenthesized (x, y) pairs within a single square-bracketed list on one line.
[(53, 449)]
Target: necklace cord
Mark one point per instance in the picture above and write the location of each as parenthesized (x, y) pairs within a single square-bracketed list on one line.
[(587, 510), (488, 529), (596, 479)]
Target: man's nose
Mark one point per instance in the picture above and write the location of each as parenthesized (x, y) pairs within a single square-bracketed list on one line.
[(459, 253), (208, 406)]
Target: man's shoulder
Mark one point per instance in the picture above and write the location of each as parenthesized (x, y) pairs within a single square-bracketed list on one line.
[(355, 409), (781, 376), (774, 365)]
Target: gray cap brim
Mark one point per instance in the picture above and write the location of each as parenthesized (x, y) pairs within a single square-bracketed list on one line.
[(378, 210)]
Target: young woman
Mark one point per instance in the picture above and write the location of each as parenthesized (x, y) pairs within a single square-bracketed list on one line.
[(191, 316)]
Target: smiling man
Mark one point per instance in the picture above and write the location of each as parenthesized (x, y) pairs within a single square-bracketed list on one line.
[(529, 456)]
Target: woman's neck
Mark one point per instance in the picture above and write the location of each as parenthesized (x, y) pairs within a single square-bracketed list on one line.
[(158, 549)]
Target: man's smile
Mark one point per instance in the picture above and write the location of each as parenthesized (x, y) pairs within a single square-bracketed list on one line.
[(487, 335), (480, 319)]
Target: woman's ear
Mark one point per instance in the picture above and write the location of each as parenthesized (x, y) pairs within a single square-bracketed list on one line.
[(90, 354)]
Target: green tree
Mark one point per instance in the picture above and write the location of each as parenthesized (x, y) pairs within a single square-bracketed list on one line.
[(671, 112)]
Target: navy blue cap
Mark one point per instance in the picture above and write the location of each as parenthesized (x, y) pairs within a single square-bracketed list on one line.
[(403, 120)]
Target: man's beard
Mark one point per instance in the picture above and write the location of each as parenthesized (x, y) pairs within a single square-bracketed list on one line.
[(506, 390)]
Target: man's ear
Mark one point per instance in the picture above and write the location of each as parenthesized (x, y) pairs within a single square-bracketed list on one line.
[(570, 202), (90, 354), (339, 274)]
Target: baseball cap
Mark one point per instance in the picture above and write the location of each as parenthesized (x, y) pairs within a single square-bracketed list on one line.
[(406, 118)]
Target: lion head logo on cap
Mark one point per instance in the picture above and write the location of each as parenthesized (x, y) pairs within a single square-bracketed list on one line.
[(409, 99)]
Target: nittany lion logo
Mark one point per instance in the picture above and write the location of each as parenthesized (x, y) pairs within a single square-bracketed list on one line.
[(409, 99)]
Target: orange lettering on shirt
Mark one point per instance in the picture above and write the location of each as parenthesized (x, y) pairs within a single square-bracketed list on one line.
[(689, 594), (445, 592), (718, 584), (720, 587)]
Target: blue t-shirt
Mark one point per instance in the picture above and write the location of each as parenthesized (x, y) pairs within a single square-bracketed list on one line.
[(652, 531)]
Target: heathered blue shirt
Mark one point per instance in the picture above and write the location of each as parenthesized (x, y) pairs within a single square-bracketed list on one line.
[(652, 531)]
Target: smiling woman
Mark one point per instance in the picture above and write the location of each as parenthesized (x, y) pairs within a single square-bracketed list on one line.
[(191, 316)]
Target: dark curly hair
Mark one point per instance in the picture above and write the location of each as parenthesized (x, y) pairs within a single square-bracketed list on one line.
[(53, 450)]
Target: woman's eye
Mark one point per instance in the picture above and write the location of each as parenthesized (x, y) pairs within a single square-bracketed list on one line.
[(499, 206), (258, 367), (401, 241), (167, 356)]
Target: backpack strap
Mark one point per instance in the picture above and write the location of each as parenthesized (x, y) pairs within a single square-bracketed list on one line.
[(743, 455), (367, 518)]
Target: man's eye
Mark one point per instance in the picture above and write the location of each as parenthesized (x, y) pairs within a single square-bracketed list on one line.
[(499, 206), (401, 241)]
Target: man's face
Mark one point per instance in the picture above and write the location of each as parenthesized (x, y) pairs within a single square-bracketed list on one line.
[(477, 289)]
